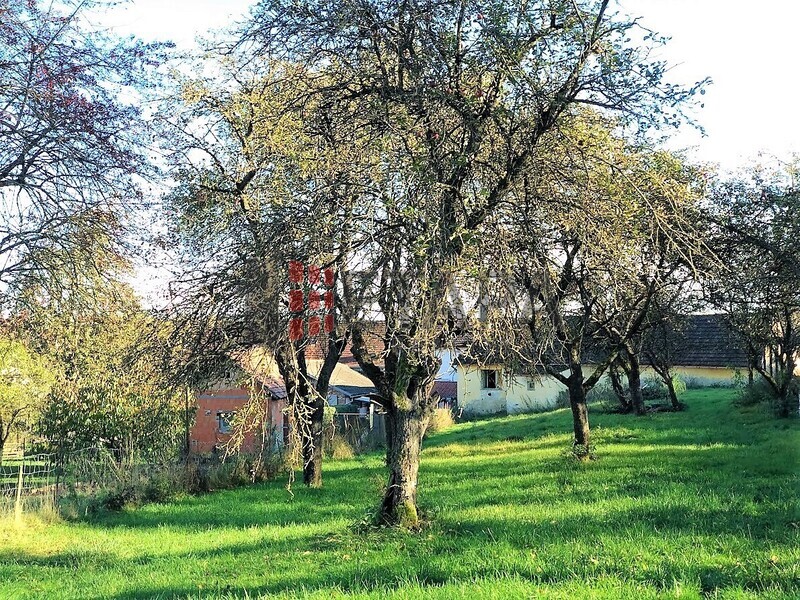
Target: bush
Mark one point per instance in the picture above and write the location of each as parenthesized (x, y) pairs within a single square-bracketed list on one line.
[(129, 485), (679, 384), (654, 389), (136, 485), (694, 383), (603, 394), (442, 419), (339, 448), (562, 400), (758, 393), (761, 393), (211, 472)]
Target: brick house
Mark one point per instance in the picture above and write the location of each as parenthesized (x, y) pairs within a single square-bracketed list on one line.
[(218, 404), (257, 376), (254, 376)]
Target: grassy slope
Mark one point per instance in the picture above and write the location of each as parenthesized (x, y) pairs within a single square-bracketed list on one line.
[(698, 504)]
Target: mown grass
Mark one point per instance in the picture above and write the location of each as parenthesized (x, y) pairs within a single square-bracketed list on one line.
[(700, 504)]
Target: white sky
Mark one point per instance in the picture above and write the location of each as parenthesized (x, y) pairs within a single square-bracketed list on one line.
[(748, 49)]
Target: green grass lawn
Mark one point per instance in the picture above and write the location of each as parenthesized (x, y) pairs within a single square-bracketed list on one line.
[(700, 504)]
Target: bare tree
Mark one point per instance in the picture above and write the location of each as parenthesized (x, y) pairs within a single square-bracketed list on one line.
[(72, 150), (757, 282), (599, 231), (258, 187), (457, 101)]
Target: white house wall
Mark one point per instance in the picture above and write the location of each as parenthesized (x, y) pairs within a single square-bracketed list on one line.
[(514, 396), (543, 396)]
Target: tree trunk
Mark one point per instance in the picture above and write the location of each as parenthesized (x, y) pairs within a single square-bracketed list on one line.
[(187, 438), (673, 397), (635, 382), (405, 428), (312, 444), (616, 385), (580, 413), (784, 401)]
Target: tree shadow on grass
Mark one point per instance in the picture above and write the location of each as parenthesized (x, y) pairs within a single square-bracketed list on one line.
[(269, 503), (535, 515), (573, 548)]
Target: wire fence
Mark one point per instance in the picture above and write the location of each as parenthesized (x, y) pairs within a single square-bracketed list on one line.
[(30, 482), (25, 480)]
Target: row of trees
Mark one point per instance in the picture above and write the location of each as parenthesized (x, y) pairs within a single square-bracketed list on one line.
[(75, 377), (422, 148), (429, 151)]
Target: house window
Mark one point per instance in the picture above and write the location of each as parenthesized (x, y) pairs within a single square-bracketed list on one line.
[(489, 379), (531, 384), (224, 420)]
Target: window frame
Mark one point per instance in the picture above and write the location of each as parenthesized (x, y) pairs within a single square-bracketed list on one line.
[(224, 418), (485, 379)]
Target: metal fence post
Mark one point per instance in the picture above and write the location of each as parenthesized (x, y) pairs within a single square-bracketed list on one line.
[(18, 504)]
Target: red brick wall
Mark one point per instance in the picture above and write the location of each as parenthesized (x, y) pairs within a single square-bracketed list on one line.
[(205, 434)]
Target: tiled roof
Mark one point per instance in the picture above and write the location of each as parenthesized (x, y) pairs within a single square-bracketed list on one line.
[(445, 389), (260, 364), (708, 341), (342, 374), (704, 341), (373, 336)]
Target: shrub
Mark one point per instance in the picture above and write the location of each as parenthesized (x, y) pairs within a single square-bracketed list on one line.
[(212, 472), (758, 393), (562, 400), (761, 393), (600, 392), (679, 384), (135, 485), (442, 419), (113, 499), (339, 448), (603, 394), (653, 389)]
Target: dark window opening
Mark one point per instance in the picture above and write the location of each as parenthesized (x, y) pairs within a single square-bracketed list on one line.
[(489, 379), (224, 420)]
